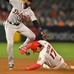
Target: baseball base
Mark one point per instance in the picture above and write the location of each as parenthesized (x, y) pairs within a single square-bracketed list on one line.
[(46, 66), (72, 67)]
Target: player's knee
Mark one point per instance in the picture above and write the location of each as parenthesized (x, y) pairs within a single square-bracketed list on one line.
[(10, 45), (33, 37)]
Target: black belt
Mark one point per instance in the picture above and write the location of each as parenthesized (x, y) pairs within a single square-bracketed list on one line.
[(13, 23)]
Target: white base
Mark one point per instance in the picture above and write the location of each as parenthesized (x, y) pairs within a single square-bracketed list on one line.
[(72, 67), (46, 66)]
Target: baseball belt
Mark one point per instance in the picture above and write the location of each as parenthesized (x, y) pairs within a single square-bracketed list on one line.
[(13, 23)]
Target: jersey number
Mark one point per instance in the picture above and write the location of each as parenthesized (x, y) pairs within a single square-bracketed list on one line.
[(52, 52)]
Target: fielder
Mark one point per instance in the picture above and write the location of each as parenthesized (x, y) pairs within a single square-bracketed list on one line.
[(48, 57), (12, 25)]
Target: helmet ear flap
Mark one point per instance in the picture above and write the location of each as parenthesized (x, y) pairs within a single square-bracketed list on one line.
[(35, 45)]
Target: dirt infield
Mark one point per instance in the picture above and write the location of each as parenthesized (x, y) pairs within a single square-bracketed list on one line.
[(19, 63)]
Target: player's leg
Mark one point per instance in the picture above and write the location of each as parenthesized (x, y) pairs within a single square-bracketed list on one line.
[(62, 65), (9, 36), (24, 30)]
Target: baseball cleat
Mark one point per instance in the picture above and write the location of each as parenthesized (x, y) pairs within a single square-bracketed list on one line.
[(11, 66), (22, 46)]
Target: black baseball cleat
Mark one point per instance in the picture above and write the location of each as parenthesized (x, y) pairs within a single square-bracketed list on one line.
[(11, 66)]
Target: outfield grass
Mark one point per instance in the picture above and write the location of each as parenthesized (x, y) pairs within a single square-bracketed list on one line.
[(66, 50)]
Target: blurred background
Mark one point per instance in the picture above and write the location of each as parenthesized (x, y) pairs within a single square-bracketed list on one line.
[(55, 16), (57, 20)]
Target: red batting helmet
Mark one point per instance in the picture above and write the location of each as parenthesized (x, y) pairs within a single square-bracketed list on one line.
[(35, 45)]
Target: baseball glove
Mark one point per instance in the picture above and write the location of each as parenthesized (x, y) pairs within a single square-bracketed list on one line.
[(45, 36)]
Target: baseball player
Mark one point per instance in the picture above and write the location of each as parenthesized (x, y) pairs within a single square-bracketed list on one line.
[(12, 25), (48, 57)]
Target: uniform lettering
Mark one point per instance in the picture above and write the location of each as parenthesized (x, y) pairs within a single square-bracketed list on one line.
[(16, 12), (48, 48), (51, 52), (19, 14)]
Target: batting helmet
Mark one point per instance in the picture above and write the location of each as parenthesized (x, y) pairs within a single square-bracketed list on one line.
[(35, 45)]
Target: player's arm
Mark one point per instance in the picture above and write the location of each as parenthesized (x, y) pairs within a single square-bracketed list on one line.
[(36, 24), (33, 67), (39, 28)]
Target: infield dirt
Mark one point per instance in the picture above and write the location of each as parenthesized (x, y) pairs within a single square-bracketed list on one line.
[(19, 63)]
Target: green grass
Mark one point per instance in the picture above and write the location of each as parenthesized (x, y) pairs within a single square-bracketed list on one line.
[(66, 50)]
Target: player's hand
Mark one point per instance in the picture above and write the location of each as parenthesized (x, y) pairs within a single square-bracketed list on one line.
[(27, 53), (44, 36), (22, 51)]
